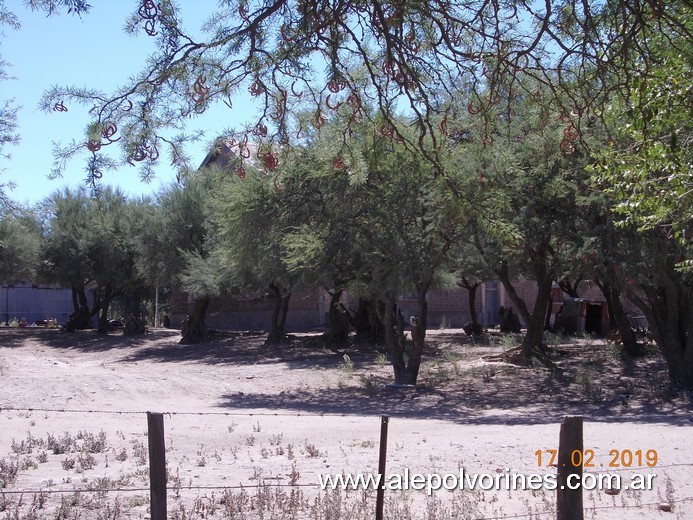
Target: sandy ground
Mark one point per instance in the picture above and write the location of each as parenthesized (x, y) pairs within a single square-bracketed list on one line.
[(272, 419)]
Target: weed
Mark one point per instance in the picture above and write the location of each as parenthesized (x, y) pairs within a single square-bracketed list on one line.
[(347, 365), (381, 359), (8, 472), (294, 475), (506, 342), (26, 446), (368, 385), (140, 451), (452, 358), (256, 427), (110, 513), (276, 440), (312, 451), (122, 455), (28, 463), (93, 443), (590, 389)]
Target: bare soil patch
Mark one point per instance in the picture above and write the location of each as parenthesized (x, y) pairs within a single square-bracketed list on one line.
[(273, 419)]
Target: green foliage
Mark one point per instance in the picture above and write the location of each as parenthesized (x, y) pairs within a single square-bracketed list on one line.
[(175, 231), (306, 63), (20, 239), (646, 167), (92, 243)]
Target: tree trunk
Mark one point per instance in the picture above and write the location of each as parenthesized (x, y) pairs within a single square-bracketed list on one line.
[(103, 303), (669, 311), (193, 329), (281, 296), (474, 328), (366, 322), (339, 320), (404, 356), (532, 344), (617, 316), (135, 322), (533, 341), (103, 319), (80, 318)]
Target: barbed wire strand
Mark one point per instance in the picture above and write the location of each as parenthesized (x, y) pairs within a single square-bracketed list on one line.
[(131, 412)]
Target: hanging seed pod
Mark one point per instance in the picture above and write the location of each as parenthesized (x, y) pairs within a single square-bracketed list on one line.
[(277, 186), (332, 106), (260, 130), (59, 107), (93, 145), (139, 155), (336, 86), (338, 163), (571, 133), (319, 120), (567, 147), (153, 153), (386, 130), (293, 90), (109, 131), (240, 171), (270, 161), (256, 88), (200, 90), (148, 11), (444, 126)]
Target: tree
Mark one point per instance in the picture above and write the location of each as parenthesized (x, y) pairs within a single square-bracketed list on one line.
[(176, 241), (647, 165), (405, 227), (521, 186), (251, 221), (20, 239), (646, 169), (410, 55), (320, 248), (89, 245)]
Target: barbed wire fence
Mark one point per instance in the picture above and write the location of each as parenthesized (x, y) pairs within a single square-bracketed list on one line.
[(162, 483)]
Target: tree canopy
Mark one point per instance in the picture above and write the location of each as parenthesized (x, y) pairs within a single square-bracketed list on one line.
[(307, 61)]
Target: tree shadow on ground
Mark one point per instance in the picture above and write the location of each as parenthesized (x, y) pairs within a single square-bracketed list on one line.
[(82, 340), (248, 348), (456, 384), (424, 403)]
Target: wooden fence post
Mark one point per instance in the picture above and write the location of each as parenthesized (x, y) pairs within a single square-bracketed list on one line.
[(380, 495), (570, 453), (157, 465)]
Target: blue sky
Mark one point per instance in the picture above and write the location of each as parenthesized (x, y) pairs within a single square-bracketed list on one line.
[(95, 52)]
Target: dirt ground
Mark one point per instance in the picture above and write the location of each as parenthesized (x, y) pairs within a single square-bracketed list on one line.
[(249, 428)]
